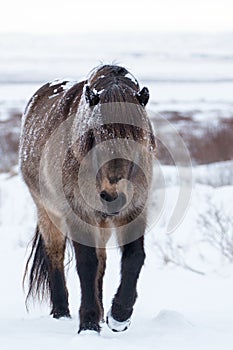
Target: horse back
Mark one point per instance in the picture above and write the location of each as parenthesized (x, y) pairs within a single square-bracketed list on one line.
[(50, 106)]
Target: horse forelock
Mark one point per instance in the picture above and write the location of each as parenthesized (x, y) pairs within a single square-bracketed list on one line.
[(114, 84)]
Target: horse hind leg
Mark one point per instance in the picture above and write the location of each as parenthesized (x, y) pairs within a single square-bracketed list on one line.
[(47, 271)]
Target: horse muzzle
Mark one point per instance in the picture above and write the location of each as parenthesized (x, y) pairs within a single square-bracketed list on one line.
[(113, 203)]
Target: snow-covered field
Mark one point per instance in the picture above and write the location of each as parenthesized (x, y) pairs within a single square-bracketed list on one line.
[(185, 288), (176, 309)]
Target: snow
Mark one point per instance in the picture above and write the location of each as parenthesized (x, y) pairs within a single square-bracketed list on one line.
[(176, 308), (66, 84), (56, 82), (132, 78)]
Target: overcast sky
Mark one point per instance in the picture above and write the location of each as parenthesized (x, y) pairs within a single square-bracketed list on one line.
[(120, 15)]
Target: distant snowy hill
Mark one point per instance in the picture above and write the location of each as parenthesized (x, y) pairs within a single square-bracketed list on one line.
[(153, 57)]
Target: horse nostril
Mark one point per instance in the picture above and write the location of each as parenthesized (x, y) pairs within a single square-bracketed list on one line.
[(107, 197)]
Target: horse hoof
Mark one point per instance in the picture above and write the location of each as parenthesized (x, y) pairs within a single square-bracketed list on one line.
[(59, 314), (89, 326), (115, 325)]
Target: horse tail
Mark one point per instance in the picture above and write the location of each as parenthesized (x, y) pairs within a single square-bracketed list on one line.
[(37, 270)]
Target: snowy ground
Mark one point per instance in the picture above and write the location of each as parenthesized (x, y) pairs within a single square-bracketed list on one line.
[(176, 308)]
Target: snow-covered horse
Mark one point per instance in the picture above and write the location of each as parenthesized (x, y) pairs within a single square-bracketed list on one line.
[(86, 156)]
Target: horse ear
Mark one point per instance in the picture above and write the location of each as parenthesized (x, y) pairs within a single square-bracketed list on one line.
[(143, 96), (91, 97)]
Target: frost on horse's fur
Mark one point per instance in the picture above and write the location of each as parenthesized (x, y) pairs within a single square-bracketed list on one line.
[(86, 155)]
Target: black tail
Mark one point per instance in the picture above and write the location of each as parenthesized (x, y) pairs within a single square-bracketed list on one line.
[(38, 273)]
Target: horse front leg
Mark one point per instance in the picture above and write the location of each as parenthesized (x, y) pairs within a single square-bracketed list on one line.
[(87, 268), (133, 256), (101, 253)]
